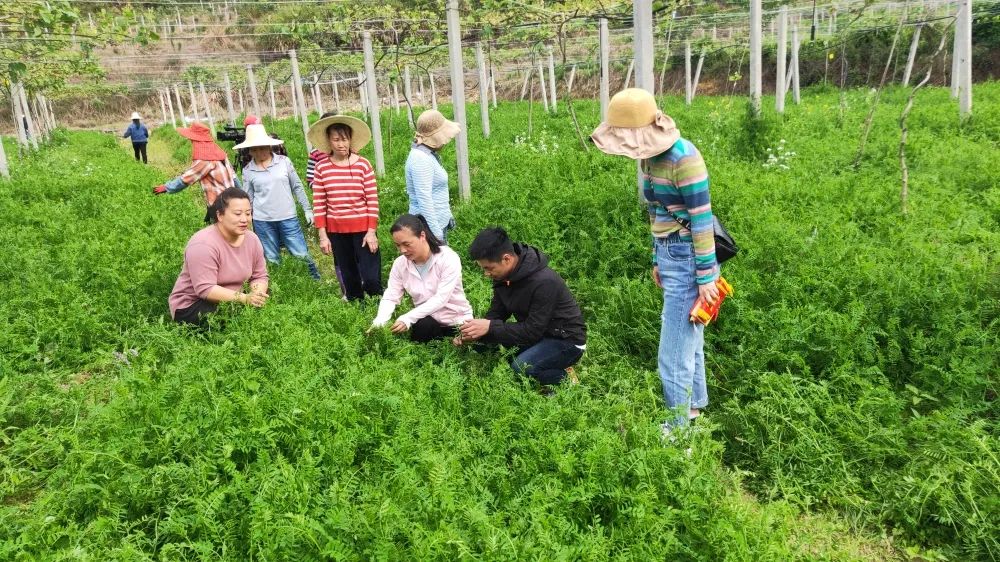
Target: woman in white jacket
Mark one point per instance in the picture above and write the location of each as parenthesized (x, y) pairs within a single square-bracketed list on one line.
[(432, 275)]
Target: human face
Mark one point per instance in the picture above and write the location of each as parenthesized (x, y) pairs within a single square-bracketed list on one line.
[(498, 270), (235, 218), (260, 154), (415, 248), (340, 144)]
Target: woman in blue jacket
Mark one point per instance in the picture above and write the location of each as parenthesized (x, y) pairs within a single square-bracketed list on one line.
[(140, 136)]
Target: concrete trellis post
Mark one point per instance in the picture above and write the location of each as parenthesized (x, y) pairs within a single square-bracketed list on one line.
[(229, 100), (208, 110), (408, 95), (170, 106), (605, 62), (434, 96), (336, 96), (270, 95), (163, 107), (697, 73), (965, 62), (242, 103), (395, 97), (458, 99), (795, 66), (194, 102), (541, 80), (628, 74), (4, 168), (493, 88), (755, 56), (779, 86), (373, 103), (569, 82), (642, 34), (362, 94), (552, 81), (254, 99), (19, 119), (420, 81), (300, 99), (913, 55), (294, 100), (687, 72), (180, 105), (484, 102), (32, 129), (524, 86)]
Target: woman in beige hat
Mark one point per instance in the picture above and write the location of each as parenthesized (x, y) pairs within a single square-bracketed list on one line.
[(426, 178), (345, 203), (684, 267), (273, 186)]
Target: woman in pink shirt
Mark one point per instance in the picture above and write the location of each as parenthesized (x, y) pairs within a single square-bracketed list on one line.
[(219, 260), (432, 275)]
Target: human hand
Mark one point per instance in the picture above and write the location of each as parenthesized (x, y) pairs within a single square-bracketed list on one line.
[(656, 276), (457, 341), (709, 292), (309, 218), (159, 190), (255, 299), (399, 327), (324, 244), (474, 329), (370, 241)]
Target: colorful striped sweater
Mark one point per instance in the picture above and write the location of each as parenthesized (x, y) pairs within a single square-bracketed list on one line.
[(345, 198), (677, 181)]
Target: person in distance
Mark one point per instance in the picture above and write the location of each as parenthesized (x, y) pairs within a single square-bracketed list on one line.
[(345, 203), (426, 178), (273, 186), (139, 134), (549, 334), (675, 185), (431, 274), (210, 166), (218, 261)]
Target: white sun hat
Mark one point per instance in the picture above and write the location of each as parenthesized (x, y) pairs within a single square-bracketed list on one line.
[(135, 115), (257, 136)]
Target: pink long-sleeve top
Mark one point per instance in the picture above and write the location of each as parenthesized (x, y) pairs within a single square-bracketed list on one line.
[(438, 293), (209, 261)]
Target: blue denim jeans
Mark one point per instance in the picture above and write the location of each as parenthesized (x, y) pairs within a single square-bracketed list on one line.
[(547, 360), (681, 357), (288, 233)]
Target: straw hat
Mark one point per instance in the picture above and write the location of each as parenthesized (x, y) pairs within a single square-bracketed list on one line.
[(434, 131), (635, 127), (197, 132), (257, 136), (360, 133), (135, 115)]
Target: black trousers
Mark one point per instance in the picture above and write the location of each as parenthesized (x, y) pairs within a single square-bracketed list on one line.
[(427, 329), (140, 150), (195, 314), (362, 270)]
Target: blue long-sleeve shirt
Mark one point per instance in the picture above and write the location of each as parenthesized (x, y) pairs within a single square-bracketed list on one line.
[(427, 188), (138, 132), (273, 190)]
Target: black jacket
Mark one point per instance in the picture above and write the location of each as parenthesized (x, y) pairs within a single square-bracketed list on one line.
[(540, 301)]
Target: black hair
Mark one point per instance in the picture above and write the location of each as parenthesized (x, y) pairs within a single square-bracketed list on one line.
[(328, 114), (491, 244), (417, 224), (278, 148), (222, 202)]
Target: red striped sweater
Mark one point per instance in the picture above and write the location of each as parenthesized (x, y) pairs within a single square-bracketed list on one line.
[(345, 198)]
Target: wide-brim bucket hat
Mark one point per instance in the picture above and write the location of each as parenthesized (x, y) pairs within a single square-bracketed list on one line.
[(434, 130), (361, 135), (135, 115), (257, 136), (197, 132), (635, 127)]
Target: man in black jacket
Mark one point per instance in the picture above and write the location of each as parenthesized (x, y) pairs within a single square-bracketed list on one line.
[(549, 334)]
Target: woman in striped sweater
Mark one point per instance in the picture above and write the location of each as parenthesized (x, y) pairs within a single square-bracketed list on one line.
[(345, 203)]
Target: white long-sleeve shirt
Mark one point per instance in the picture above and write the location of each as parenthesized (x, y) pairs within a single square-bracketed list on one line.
[(427, 188)]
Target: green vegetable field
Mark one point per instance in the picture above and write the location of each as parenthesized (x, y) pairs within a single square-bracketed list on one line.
[(853, 378)]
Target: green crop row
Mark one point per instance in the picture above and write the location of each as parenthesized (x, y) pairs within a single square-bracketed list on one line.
[(852, 378)]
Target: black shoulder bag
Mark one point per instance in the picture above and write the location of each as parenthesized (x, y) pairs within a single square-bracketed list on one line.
[(725, 246)]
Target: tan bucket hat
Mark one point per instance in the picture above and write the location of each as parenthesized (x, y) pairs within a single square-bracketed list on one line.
[(257, 136), (635, 127), (361, 135), (434, 131)]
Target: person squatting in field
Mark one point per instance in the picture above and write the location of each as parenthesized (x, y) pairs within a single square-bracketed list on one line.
[(675, 186), (431, 274), (218, 261), (210, 166), (139, 134), (273, 186), (345, 203), (426, 178), (549, 334)]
